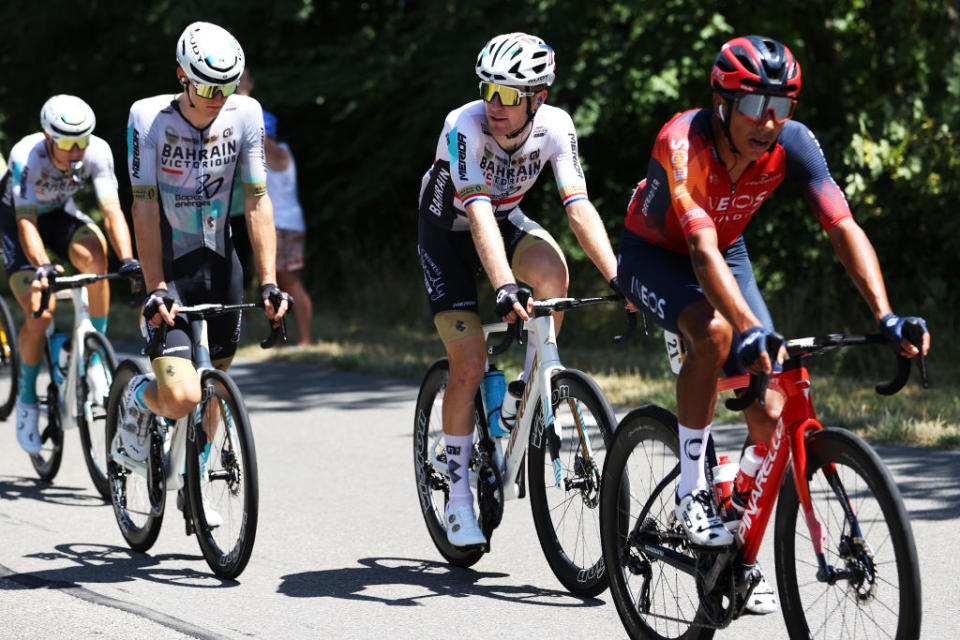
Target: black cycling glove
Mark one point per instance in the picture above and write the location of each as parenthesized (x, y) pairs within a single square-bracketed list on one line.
[(156, 299), (274, 294), (47, 271), (130, 268), (615, 285), (507, 295)]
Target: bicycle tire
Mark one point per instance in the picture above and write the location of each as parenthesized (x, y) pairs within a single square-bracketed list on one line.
[(46, 462), (229, 490), (873, 595), (628, 484), (9, 361), (432, 484), (92, 434), (567, 519), (139, 522)]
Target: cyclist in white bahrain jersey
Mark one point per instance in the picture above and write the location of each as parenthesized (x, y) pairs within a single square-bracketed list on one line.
[(37, 213), (489, 155), (183, 154)]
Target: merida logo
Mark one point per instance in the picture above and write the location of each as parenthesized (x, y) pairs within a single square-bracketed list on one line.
[(461, 156), (135, 164)]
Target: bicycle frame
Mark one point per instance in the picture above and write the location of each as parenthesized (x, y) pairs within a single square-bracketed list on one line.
[(796, 421), (69, 410), (509, 456)]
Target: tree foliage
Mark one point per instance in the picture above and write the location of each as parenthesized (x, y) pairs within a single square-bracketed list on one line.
[(361, 89)]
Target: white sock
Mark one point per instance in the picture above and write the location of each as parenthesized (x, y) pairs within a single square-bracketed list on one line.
[(693, 475), (459, 449), (528, 363)]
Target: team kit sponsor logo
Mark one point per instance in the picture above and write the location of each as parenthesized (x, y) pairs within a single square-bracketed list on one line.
[(504, 172), (174, 156)]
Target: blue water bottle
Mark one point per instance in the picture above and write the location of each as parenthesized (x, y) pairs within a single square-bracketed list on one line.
[(56, 343), (493, 387)]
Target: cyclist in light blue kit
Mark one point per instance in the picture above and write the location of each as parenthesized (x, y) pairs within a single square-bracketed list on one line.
[(185, 151), (37, 212)]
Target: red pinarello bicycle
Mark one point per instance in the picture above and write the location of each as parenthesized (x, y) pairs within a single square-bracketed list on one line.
[(846, 563)]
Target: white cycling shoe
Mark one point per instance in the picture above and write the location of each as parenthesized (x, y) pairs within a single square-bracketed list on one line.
[(763, 600), (214, 519), (700, 522), (28, 415), (462, 527)]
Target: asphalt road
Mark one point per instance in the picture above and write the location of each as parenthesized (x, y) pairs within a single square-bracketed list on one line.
[(341, 548)]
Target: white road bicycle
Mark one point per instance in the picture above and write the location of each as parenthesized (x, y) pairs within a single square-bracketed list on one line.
[(218, 486), (563, 426), (73, 396)]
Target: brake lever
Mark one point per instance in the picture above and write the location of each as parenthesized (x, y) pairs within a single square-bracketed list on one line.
[(758, 382), (631, 327)]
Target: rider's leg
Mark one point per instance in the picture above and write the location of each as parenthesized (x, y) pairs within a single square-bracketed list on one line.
[(88, 253), (290, 282), (31, 335), (538, 261), (707, 337), (176, 390), (466, 356)]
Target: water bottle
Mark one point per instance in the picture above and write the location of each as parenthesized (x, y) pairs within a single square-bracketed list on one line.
[(492, 387), (56, 346), (749, 465), (511, 403), (724, 475)]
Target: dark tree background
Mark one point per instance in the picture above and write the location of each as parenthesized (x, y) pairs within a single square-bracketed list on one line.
[(361, 90)]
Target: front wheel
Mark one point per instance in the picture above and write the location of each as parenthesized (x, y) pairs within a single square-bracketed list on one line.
[(874, 590), (99, 363), (47, 461), (137, 505), (429, 462), (222, 481), (644, 548), (565, 463)]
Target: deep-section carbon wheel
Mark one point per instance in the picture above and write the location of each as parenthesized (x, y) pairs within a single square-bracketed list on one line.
[(565, 458)]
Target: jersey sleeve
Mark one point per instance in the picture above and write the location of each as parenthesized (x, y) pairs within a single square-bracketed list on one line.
[(142, 154), (253, 162), (103, 176), (567, 171), (687, 170), (24, 195), (463, 147), (807, 167)]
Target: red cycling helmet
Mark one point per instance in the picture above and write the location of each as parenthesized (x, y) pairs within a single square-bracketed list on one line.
[(756, 64)]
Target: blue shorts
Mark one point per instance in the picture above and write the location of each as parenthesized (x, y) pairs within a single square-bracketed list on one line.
[(662, 283)]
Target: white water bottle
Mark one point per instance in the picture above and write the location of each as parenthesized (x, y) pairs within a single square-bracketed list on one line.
[(511, 403), (749, 465)]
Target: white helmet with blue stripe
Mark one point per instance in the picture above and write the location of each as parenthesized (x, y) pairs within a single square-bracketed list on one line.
[(64, 116), (517, 59), (209, 55)]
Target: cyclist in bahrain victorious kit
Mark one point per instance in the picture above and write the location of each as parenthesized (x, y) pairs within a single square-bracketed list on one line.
[(684, 262), (490, 153), (37, 211), (183, 154)]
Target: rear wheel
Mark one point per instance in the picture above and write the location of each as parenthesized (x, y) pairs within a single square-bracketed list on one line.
[(99, 363), (565, 464), (867, 543), (429, 461), (222, 477), (137, 504), (9, 362), (655, 598)]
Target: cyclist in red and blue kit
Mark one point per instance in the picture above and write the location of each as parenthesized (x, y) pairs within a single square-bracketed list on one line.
[(683, 259)]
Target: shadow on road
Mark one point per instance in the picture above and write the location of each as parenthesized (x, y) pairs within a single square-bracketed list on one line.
[(290, 387), (14, 488), (107, 564), (437, 579), (926, 476)]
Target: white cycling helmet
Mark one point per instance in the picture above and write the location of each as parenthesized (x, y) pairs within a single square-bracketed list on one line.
[(66, 116), (517, 59), (209, 55)]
